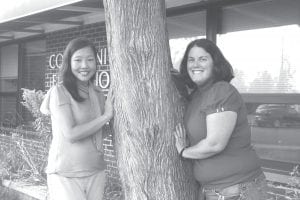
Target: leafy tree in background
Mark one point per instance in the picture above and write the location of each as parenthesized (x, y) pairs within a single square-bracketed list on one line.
[(262, 83), (239, 80), (285, 79)]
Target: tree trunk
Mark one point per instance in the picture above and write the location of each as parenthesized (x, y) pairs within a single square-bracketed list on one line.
[(147, 105)]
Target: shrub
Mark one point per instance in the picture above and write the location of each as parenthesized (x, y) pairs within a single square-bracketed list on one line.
[(32, 100), (294, 183), (18, 161), (12, 165)]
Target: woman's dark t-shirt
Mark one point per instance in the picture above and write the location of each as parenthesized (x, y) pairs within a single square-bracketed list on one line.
[(238, 162)]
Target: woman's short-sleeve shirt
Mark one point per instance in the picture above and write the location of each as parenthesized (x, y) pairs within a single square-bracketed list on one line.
[(69, 159), (238, 162)]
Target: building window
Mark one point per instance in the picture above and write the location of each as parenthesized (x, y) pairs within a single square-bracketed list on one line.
[(183, 29), (31, 76), (275, 131), (34, 65), (261, 40), (33, 70), (8, 84), (264, 60), (9, 69)]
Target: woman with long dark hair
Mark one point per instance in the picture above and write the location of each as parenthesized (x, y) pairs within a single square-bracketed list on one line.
[(78, 112), (215, 133)]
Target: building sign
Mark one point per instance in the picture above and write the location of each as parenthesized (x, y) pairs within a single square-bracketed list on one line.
[(102, 56), (55, 61), (102, 79), (102, 74)]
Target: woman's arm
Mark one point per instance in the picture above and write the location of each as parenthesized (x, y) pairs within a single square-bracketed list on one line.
[(219, 129), (75, 132)]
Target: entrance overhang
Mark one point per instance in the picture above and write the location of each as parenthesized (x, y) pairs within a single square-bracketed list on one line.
[(29, 18), (25, 18)]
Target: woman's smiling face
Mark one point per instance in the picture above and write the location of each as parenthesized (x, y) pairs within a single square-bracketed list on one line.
[(83, 64), (200, 66)]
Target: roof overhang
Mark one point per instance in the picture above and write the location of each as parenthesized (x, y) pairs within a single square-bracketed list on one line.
[(27, 18), (16, 9)]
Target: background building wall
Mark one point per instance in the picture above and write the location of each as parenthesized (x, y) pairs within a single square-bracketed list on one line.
[(57, 41)]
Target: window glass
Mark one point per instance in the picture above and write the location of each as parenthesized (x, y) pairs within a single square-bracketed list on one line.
[(9, 68), (8, 110), (34, 65), (262, 41), (275, 131), (183, 29), (264, 60)]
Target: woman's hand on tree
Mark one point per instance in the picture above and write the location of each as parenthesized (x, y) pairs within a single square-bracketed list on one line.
[(180, 137)]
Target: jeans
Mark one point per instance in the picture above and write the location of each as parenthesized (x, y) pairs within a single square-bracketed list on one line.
[(252, 190)]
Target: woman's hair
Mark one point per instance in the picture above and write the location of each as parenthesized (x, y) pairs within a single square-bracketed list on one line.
[(66, 74), (222, 69)]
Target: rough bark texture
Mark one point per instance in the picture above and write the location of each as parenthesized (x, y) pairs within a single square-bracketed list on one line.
[(147, 105)]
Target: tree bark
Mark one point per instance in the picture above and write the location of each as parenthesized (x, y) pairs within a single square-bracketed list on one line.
[(147, 105)]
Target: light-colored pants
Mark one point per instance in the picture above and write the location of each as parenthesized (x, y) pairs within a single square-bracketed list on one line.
[(83, 188)]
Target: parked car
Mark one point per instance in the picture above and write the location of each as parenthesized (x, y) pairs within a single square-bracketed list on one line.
[(276, 115)]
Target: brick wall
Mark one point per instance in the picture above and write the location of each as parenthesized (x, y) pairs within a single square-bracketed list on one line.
[(11, 139), (38, 150), (5, 139), (57, 41), (32, 68), (8, 110), (110, 158)]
